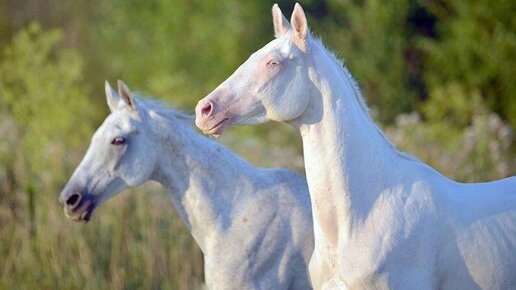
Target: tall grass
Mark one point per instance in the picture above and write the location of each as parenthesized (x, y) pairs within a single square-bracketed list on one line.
[(134, 241)]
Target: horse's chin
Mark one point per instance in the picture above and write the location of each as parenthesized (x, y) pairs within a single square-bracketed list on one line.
[(219, 128), (81, 214)]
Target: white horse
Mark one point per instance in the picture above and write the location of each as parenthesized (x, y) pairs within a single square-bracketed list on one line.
[(253, 225), (382, 219)]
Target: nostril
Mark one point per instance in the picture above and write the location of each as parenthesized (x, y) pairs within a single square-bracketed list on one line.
[(73, 199), (207, 109)]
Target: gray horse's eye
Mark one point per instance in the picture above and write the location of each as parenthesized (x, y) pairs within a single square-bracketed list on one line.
[(118, 141), (273, 63)]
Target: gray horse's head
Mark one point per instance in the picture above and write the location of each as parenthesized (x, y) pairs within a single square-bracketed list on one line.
[(120, 156)]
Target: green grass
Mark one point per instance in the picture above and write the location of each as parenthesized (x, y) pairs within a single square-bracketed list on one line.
[(134, 241)]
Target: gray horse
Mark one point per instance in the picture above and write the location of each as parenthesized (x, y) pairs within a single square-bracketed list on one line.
[(253, 225)]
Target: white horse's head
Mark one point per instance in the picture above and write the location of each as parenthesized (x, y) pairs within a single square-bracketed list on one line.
[(273, 84), (119, 156)]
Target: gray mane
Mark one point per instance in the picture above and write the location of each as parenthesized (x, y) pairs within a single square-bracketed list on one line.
[(162, 109)]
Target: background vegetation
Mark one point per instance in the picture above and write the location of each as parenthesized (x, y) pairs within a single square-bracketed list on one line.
[(438, 75)]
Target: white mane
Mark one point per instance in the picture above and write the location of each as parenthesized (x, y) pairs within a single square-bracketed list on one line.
[(341, 63), (358, 95)]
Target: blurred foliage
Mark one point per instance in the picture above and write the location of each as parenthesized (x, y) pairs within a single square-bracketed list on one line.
[(476, 47), (175, 49), (437, 74), (37, 121), (459, 136), (372, 37), (38, 87)]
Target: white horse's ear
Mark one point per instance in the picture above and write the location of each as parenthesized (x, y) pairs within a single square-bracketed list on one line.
[(126, 95), (281, 25), (299, 24), (111, 96)]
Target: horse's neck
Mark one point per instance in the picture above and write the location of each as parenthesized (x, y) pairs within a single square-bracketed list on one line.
[(202, 179), (347, 159)]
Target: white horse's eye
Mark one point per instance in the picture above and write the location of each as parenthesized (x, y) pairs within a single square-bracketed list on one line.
[(118, 141)]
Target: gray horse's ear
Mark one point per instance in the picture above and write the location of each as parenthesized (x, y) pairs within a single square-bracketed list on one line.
[(111, 96), (126, 95), (299, 25), (281, 25)]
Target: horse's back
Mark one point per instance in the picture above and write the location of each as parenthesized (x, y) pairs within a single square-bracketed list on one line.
[(485, 201), (501, 188)]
